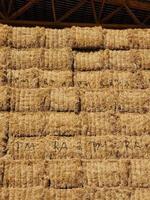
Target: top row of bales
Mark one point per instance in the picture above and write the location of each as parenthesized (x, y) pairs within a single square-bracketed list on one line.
[(75, 37)]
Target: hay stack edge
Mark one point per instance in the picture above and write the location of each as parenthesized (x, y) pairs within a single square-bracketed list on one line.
[(74, 114)]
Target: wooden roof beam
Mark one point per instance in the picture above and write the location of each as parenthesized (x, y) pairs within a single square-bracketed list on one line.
[(53, 10), (135, 19), (71, 11), (94, 11), (135, 4), (23, 9), (109, 16)]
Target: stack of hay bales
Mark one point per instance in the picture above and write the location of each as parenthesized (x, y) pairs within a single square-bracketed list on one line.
[(74, 114)]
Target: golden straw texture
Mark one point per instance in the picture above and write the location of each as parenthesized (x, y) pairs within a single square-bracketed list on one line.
[(74, 114)]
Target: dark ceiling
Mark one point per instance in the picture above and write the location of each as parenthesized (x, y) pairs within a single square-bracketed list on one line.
[(78, 12)]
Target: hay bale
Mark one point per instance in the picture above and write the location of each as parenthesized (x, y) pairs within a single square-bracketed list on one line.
[(4, 125), (141, 194), (116, 147), (143, 57), (93, 79), (123, 60), (146, 78), (134, 101), (28, 78), (58, 59), (87, 37), (113, 193), (30, 99), (5, 34), (84, 61), (99, 123), (4, 98), (116, 39), (106, 173), (58, 38), (27, 58), (5, 58), (48, 147), (3, 77), (32, 193), (139, 173), (72, 194), (23, 174), (128, 80), (133, 124), (65, 173), (55, 78), (41, 124), (65, 99), (23, 37), (139, 39), (98, 101)]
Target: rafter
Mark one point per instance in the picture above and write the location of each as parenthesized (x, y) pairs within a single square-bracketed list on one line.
[(94, 11), (135, 19), (23, 9), (135, 4), (53, 9), (146, 19), (3, 5), (71, 11), (2, 15), (101, 9), (10, 6), (109, 16)]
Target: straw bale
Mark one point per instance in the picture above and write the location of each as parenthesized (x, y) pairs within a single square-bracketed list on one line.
[(98, 101), (3, 133), (64, 174), (139, 39), (143, 57), (40, 124), (87, 61), (146, 78), (3, 77), (4, 98), (141, 194), (58, 59), (67, 194), (116, 147), (55, 78), (58, 38), (106, 173), (4, 57), (116, 39), (112, 194), (87, 37), (5, 34), (23, 174), (28, 78), (124, 60), (134, 101), (128, 80), (23, 37), (93, 79), (48, 147), (65, 99), (32, 193), (139, 173), (133, 124), (30, 99), (27, 58), (109, 78), (99, 123)]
